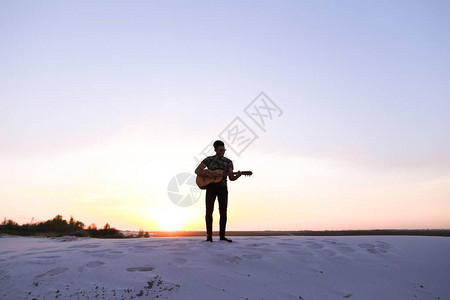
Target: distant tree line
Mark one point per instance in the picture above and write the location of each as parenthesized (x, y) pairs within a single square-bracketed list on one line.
[(60, 227)]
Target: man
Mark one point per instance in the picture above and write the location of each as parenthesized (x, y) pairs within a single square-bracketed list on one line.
[(218, 189)]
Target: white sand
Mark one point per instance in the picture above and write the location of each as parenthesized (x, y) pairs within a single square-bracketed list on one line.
[(375, 267)]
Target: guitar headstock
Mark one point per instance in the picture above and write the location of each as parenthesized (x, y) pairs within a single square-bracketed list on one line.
[(246, 173)]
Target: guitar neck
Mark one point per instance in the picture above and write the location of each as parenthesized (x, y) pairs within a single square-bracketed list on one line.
[(219, 172), (242, 172), (231, 173)]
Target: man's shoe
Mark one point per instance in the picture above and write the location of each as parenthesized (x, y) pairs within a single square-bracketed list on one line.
[(209, 238), (222, 238)]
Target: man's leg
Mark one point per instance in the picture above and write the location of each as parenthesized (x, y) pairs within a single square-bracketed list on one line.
[(209, 199), (223, 205)]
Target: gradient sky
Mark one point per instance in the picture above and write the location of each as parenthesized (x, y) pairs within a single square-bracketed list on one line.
[(103, 102)]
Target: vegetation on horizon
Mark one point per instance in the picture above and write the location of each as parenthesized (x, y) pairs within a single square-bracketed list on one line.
[(59, 227)]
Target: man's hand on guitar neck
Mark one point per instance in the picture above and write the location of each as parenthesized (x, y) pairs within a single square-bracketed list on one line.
[(234, 176)]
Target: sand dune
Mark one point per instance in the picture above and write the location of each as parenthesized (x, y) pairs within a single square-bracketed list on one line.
[(282, 267)]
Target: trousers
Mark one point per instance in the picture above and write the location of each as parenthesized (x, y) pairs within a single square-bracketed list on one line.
[(219, 191)]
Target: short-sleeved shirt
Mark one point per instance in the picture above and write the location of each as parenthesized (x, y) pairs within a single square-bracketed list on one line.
[(214, 163)]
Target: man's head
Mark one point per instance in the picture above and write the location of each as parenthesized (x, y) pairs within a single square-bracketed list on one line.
[(219, 147)]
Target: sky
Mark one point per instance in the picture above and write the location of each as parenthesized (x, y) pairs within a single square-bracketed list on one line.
[(104, 103)]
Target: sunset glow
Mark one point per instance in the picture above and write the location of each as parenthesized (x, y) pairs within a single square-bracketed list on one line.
[(102, 106)]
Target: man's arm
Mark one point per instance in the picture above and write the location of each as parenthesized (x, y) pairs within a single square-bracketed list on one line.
[(233, 177), (202, 172)]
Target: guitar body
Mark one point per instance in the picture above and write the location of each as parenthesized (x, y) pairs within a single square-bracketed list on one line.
[(203, 181)]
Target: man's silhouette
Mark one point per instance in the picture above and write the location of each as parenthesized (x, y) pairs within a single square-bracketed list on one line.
[(219, 189)]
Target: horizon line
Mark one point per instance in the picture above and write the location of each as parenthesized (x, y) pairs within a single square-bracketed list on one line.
[(351, 232)]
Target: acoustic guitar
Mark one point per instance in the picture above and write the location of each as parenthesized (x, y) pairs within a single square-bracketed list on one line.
[(203, 181)]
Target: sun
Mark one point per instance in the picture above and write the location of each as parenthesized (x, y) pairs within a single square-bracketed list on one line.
[(174, 218), (170, 223)]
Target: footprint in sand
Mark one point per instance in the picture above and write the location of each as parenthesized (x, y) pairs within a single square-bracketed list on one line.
[(235, 259), (140, 269), (52, 272), (383, 245), (377, 251), (330, 241), (94, 264), (366, 246), (178, 261), (328, 253), (340, 259), (259, 244), (314, 245), (380, 248)]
